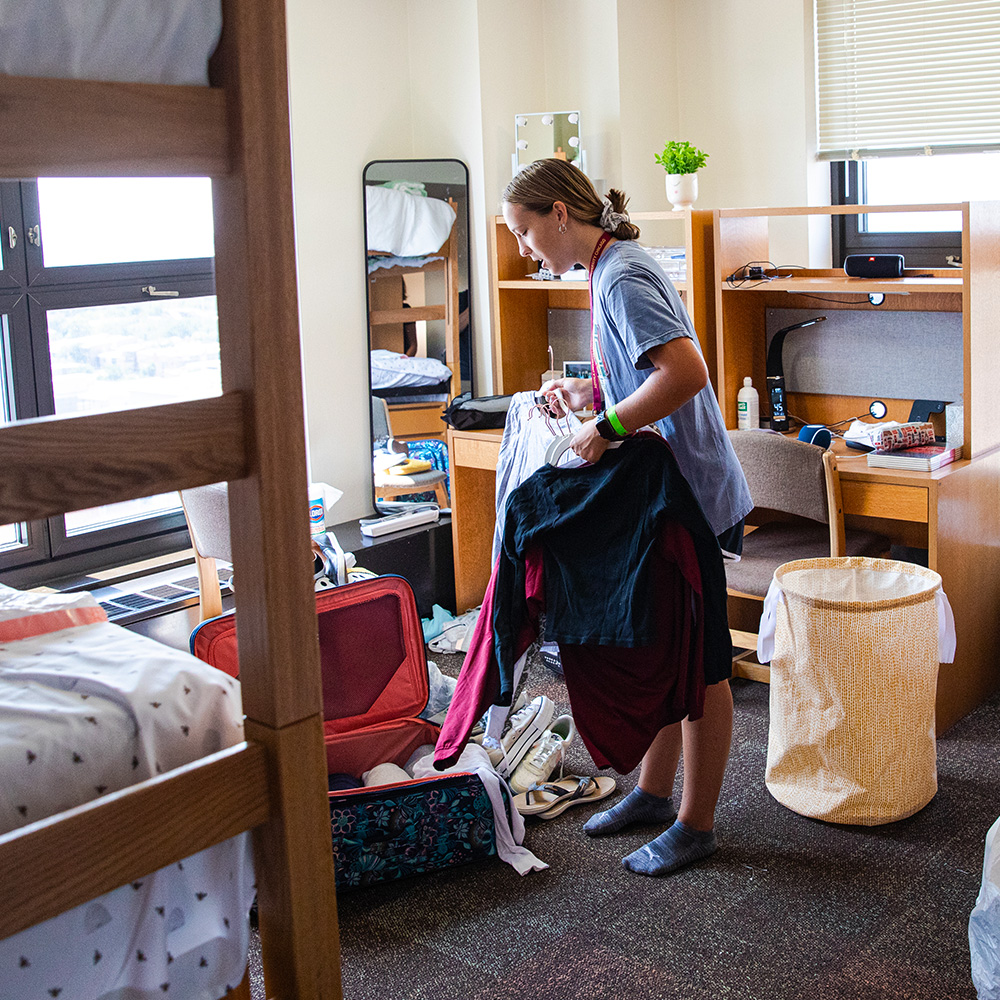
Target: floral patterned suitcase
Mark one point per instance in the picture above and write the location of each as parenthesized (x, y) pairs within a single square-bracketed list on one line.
[(374, 673)]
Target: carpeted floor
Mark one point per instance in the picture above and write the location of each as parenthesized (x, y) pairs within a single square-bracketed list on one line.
[(787, 908)]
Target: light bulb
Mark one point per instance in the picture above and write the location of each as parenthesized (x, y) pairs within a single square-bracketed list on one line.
[(574, 118), (573, 141), (522, 143), (520, 121), (547, 119)]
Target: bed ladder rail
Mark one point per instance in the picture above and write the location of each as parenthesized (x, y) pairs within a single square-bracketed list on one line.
[(57, 464), (84, 128)]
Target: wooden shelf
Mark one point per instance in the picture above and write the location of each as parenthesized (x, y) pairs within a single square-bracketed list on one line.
[(538, 285), (521, 303), (843, 285)]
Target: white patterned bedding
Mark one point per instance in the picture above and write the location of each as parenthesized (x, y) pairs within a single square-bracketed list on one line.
[(86, 708), (391, 370)]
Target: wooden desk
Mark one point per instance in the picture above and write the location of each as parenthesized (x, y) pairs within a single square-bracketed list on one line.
[(472, 461), (954, 513)]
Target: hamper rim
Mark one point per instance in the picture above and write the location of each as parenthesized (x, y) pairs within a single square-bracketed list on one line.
[(860, 562)]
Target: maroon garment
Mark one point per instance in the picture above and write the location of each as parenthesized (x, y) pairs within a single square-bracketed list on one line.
[(620, 697), (478, 684)]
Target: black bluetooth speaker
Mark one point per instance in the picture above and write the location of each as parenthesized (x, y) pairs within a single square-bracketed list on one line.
[(874, 265)]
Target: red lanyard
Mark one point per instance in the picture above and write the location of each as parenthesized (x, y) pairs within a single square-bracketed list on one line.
[(602, 243)]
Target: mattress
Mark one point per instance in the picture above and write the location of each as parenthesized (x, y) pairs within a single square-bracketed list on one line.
[(88, 708), (131, 41)]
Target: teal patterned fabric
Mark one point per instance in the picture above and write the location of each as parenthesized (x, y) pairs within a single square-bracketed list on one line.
[(390, 833)]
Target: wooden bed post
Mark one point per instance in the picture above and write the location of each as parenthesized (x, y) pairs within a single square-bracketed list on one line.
[(277, 633)]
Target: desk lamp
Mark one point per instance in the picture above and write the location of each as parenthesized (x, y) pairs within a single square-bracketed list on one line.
[(776, 374)]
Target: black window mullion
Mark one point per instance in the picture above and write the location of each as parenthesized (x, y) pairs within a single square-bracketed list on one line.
[(13, 274)]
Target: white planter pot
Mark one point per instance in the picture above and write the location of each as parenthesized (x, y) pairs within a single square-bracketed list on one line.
[(682, 189)]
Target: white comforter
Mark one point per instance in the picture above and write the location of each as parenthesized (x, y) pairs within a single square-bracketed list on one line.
[(404, 224), (87, 707)]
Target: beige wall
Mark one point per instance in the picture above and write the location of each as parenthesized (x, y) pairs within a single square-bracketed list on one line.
[(395, 79)]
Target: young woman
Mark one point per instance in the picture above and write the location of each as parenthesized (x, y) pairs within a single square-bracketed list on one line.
[(646, 368)]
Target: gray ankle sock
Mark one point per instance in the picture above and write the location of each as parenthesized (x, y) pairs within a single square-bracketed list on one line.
[(678, 846), (637, 807)]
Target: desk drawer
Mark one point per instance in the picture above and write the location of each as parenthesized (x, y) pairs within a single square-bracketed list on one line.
[(898, 503), (476, 454)]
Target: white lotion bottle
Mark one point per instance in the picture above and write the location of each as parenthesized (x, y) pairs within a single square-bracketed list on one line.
[(747, 407)]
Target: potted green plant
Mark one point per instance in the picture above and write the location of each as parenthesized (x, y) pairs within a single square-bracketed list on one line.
[(682, 161)]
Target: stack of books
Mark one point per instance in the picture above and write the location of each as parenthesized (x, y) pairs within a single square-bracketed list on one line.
[(922, 457)]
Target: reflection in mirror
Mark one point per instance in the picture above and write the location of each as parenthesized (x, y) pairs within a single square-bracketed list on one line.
[(549, 133), (419, 329)]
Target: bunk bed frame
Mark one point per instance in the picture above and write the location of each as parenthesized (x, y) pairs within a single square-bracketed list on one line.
[(252, 436), (423, 419)]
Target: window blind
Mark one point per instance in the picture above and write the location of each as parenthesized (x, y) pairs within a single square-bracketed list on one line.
[(901, 77)]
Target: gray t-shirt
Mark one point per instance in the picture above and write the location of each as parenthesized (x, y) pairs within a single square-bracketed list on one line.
[(635, 308)]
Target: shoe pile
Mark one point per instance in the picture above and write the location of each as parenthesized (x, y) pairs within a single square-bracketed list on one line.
[(525, 728)]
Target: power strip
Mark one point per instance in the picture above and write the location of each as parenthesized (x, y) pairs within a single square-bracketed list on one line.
[(386, 525)]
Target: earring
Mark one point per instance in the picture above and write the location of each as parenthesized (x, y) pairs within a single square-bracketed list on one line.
[(562, 228)]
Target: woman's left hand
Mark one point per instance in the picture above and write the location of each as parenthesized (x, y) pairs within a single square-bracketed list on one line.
[(588, 444)]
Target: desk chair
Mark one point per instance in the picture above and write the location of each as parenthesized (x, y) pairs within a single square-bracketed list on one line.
[(796, 493), (206, 510), (387, 485)]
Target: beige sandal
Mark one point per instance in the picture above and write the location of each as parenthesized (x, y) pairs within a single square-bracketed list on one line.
[(555, 797)]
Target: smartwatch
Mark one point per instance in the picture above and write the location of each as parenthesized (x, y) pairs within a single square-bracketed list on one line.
[(606, 431)]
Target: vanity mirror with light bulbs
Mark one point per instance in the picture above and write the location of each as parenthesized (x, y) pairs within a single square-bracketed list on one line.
[(547, 134)]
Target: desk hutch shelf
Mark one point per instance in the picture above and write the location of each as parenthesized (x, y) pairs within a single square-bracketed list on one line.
[(521, 304), (953, 513)]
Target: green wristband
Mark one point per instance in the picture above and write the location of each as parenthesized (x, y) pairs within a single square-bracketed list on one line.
[(615, 422)]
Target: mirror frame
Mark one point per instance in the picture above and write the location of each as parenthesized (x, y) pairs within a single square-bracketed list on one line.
[(462, 222), (534, 121)]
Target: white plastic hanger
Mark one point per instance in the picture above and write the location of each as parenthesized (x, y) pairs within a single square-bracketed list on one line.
[(559, 446)]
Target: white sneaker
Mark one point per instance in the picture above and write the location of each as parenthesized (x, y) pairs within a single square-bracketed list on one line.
[(526, 726), (544, 756), (493, 749)]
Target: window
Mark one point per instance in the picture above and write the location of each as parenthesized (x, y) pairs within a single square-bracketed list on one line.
[(106, 303), (926, 239)]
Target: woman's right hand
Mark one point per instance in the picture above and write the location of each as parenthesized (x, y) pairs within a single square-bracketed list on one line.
[(576, 393)]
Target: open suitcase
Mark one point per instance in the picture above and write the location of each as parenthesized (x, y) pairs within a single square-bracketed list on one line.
[(374, 688)]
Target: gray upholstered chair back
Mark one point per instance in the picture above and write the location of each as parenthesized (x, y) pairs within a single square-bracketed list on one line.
[(207, 512), (783, 474), (380, 421)]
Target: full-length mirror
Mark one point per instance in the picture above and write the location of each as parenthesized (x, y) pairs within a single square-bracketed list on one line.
[(419, 322), (547, 134)]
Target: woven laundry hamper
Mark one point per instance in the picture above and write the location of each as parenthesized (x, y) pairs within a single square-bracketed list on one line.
[(854, 671)]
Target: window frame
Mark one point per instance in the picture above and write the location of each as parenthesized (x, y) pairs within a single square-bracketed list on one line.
[(28, 290), (847, 187)]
